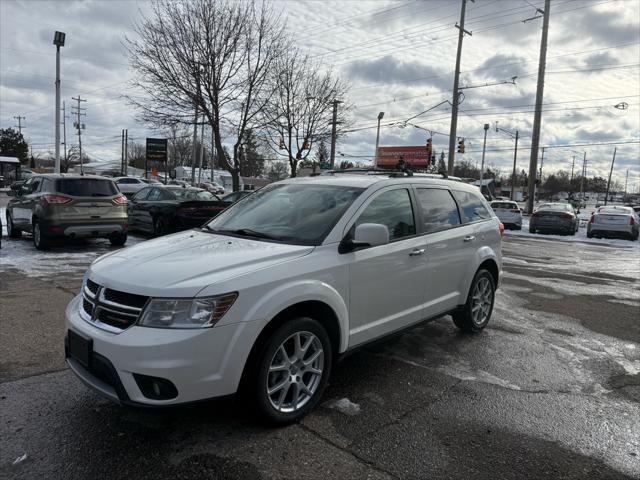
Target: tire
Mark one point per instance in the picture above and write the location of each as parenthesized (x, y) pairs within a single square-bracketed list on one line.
[(118, 239), (480, 299), (40, 241), (12, 232), (589, 234), (279, 408), (160, 227), (517, 227), (532, 230)]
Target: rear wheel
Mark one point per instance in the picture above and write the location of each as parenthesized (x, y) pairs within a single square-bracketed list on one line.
[(118, 240), (40, 241), (292, 371), (589, 234), (12, 231), (160, 227), (475, 314), (532, 230)]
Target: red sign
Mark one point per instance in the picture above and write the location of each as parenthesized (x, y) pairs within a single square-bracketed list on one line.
[(416, 156)]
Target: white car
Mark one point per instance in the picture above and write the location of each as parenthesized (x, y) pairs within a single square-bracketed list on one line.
[(614, 220), (278, 287), (509, 213), (130, 185)]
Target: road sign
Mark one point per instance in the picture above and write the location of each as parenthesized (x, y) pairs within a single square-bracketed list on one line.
[(156, 149), (414, 156)]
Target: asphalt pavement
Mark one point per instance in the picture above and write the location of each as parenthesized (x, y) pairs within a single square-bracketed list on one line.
[(551, 389)]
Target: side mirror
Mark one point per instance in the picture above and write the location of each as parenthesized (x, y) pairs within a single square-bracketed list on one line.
[(365, 235)]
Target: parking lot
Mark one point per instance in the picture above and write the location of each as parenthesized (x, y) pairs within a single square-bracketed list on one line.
[(550, 389)]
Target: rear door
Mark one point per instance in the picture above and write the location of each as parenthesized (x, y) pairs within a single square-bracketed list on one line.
[(386, 282), (23, 204), (135, 208), (448, 248)]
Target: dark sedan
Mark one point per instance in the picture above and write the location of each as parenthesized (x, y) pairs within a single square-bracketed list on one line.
[(554, 218), (235, 196), (162, 210)]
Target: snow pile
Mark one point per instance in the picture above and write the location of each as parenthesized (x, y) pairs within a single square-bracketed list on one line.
[(345, 406)]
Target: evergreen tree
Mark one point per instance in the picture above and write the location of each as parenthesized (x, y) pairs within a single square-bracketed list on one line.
[(252, 164), (12, 144)]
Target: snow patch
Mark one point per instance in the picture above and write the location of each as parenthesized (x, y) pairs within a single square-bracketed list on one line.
[(345, 406)]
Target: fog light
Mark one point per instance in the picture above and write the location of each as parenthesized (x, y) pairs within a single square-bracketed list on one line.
[(155, 388)]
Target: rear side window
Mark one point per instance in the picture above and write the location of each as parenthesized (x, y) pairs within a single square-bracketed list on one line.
[(505, 205), (47, 185), (155, 195), (472, 206), (393, 209), (439, 209), (142, 194), (86, 187)]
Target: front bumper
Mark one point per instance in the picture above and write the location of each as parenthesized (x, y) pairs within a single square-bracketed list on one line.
[(200, 363)]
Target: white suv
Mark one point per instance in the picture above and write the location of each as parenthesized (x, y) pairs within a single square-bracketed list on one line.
[(271, 292)]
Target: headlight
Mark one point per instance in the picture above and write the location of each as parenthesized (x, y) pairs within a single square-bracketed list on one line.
[(186, 313)]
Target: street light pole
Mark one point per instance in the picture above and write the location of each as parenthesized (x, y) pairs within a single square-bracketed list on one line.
[(484, 146), (334, 123), (513, 176), (375, 154), (58, 41)]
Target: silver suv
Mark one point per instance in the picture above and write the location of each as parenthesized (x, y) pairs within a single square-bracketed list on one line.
[(67, 206)]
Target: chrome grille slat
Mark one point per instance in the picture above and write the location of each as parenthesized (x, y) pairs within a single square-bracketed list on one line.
[(99, 309)]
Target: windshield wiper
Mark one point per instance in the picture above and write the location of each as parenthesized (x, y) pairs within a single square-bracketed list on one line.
[(245, 232)]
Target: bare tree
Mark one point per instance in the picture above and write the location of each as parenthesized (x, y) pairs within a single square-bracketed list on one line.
[(213, 55), (301, 108)]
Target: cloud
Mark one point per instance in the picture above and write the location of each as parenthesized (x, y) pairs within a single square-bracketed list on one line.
[(596, 25), (599, 59), (391, 70)]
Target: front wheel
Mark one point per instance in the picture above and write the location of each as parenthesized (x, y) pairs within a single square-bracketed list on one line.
[(532, 230), (160, 227), (12, 231), (475, 314), (292, 371)]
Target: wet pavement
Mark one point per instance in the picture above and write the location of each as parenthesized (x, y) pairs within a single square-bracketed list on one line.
[(551, 389)]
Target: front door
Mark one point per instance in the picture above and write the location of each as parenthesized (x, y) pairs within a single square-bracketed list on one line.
[(387, 281)]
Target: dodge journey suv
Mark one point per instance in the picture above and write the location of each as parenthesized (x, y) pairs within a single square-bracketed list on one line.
[(59, 206), (266, 297)]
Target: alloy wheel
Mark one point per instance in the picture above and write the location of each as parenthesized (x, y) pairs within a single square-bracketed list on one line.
[(482, 300), (295, 372)]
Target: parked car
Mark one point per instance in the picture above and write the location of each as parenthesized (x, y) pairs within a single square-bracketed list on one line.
[(162, 210), (554, 217), (235, 196), (278, 287), (58, 206), (212, 187), (613, 221), (509, 213), (130, 185)]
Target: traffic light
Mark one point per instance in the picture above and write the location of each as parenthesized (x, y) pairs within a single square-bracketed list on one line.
[(461, 145), (429, 145), (282, 147)]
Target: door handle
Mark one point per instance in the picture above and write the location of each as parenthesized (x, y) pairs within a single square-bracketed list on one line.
[(416, 252), (469, 238)]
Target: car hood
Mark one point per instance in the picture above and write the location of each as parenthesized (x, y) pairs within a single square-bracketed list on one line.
[(184, 263)]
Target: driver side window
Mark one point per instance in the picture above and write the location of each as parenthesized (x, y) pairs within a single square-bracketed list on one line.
[(392, 209)]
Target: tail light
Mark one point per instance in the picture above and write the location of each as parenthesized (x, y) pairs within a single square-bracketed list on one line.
[(592, 219), (515, 210), (567, 215), (632, 221), (120, 200), (55, 199), (501, 228), (535, 214)]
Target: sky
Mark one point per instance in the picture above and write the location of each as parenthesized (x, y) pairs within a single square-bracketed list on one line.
[(397, 56)]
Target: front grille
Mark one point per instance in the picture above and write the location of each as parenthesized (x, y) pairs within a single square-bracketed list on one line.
[(111, 310)]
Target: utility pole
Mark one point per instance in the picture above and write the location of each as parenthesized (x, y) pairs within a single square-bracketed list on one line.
[(375, 154), (573, 164), (58, 41), (126, 152), (201, 152), (610, 172), (584, 172), (122, 154), (456, 93), (537, 120), (195, 148), (484, 147), (626, 180), (79, 126), (334, 124), (64, 129), (19, 118)]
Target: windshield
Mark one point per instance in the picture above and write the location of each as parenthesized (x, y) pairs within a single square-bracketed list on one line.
[(86, 187), (191, 194), (294, 213)]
